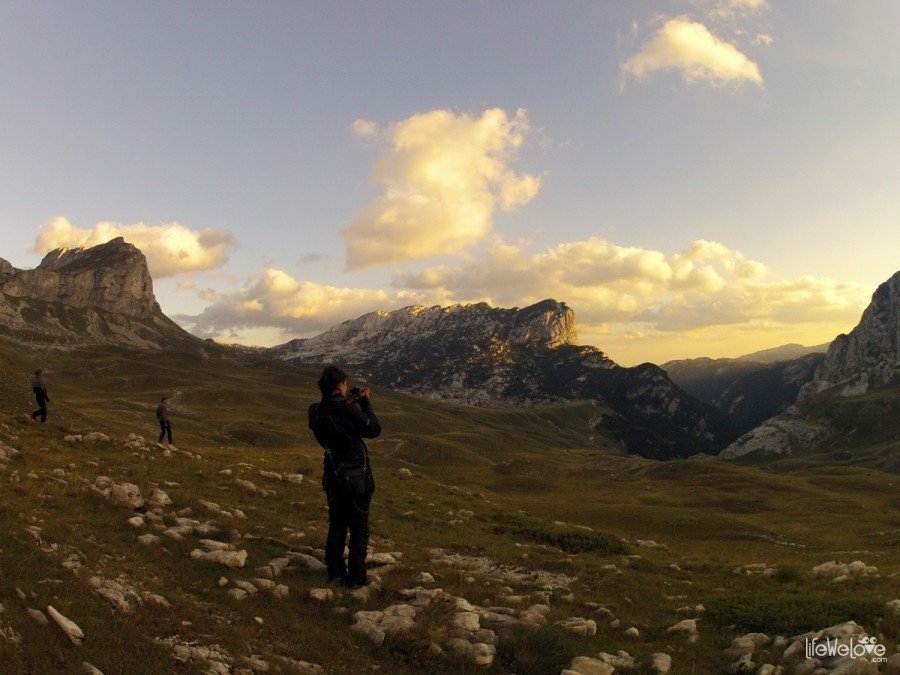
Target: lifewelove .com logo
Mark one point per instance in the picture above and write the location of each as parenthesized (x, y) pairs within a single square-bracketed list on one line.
[(855, 648)]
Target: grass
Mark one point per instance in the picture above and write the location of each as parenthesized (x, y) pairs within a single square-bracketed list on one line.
[(517, 471)]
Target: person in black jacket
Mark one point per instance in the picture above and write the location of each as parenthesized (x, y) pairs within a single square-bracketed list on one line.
[(162, 415), (39, 387), (340, 421)]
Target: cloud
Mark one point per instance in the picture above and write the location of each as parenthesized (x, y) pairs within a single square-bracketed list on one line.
[(277, 299), (763, 40), (171, 248), (444, 176), (706, 284), (726, 9), (688, 47)]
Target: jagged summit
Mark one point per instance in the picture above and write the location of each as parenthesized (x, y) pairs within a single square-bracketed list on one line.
[(545, 324), (869, 356), (97, 295), (482, 355)]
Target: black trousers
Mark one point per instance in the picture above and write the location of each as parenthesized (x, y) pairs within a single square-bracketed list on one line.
[(346, 512), (42, 405), (165, 428)]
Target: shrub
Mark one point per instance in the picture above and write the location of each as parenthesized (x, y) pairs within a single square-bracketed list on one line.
[(571, 542)]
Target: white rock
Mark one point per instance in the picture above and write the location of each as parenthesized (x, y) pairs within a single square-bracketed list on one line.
[(89, 669), (403, 473), (136, 522), (321, 594), (126, 495), (425, 578), (67, 626), (38, 616), (232, 559), (467, 621), (584, 665), (577, 625), (148, 539), (95, 437), (661, 663), (158, 499)]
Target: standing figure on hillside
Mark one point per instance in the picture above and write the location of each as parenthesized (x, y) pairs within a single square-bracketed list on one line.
[(340, 421), (162, 414), (39, 386)]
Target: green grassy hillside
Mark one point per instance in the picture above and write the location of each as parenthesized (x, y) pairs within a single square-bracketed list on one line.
[(510, 492)]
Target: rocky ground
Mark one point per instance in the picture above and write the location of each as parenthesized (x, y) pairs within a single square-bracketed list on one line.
[(123, 555)]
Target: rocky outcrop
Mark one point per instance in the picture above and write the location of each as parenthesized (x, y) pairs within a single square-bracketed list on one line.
[(480, 355), (86, 296), (869, 357), (112, 277)]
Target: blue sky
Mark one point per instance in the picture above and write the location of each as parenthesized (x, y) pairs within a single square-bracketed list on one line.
[(766, 128)]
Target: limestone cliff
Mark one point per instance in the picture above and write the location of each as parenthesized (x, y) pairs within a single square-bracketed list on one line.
[(77, 297)]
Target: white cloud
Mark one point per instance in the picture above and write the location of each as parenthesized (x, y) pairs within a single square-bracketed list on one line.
[(763, 40), (277, 299), (706, 284), (725, 9), (171, 248), (688, 47), (444, 176)]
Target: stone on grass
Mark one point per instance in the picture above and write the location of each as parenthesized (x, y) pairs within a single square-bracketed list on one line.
[(96, 437), (232, 559), (585, 665), (37, 616), (281, 591), (148, 539), (90, 669), (158, 499), (136, 522), (321, 594), (404, 473), (661, 663), (67, 626), (577, 625), (126, 496)]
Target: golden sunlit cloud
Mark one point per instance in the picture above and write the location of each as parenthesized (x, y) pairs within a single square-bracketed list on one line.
[(444, 176), (277, 299), (688, 47), (171, 248)]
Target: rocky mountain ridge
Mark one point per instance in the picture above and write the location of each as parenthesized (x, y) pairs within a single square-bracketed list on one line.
[(480, 355), (85, 296), (867, 359), (749, 392)]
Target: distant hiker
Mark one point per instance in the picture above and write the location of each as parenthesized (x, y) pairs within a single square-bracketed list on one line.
[(162, 414), (39, 386), (340, 421)]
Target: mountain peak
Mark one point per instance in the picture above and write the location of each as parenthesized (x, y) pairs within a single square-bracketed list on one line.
[(100, 294)]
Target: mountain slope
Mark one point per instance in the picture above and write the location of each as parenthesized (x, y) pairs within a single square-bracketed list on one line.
[(748, 392), (78, 297), (854, 393), (480, 355)]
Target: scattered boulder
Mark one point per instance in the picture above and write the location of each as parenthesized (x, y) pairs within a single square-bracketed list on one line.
[(839, 572), (661, 663), (67, 626), (158, 499), (577, 625), (687, 628), (321, 594), (404, 473), (126, 496), (585, 665), (756, 569), (96, 437), (37, 616), (232, 559)]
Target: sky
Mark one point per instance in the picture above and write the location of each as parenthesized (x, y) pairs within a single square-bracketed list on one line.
[(692, 177)]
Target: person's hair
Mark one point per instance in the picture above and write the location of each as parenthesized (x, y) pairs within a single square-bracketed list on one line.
[(330, 379), (38, 371), (164, 399)]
